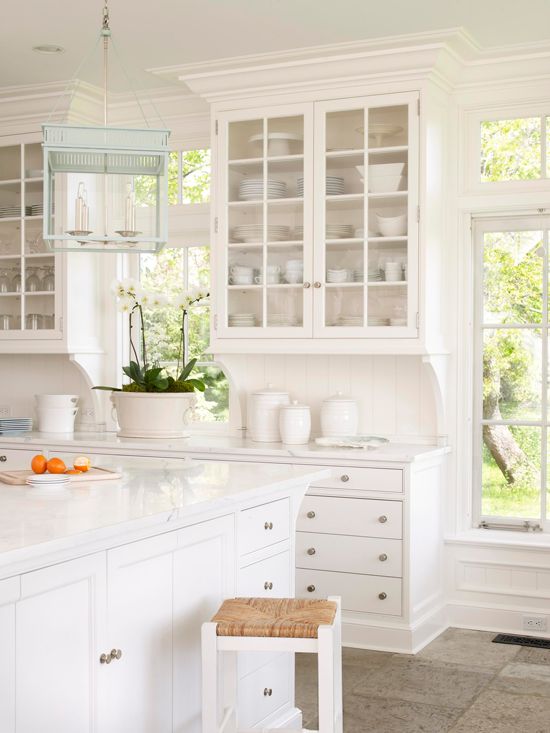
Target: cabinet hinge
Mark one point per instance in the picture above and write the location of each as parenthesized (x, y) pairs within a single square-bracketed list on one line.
[(216, 225), (418, 320), (418, 213), (215, 322), (216, 126), (418, 106)]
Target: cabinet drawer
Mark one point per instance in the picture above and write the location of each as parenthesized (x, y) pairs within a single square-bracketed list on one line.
[(368, 479), (263, 692), (341, 553), (17, 460), (361, 517), (264, 525), (367, 593), (270, 577)]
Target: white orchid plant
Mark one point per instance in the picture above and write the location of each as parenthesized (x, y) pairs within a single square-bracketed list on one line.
[(132, 298)]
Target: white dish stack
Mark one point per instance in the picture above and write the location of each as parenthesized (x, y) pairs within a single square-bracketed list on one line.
[(294, 271), (252, 189), (56, 412)]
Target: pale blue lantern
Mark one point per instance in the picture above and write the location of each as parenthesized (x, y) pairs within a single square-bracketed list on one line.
[(105, 188)]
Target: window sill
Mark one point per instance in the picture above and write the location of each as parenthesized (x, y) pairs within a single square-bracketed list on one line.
[(501, 539)]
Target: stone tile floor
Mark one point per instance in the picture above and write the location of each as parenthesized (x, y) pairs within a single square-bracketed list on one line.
[(460, 683)]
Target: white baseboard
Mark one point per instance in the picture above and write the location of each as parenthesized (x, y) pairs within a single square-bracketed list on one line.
[(399, 638), (485, 617)]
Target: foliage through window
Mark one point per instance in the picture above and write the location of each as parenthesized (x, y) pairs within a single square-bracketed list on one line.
[(513, 149), (512, 369), (177, 269)]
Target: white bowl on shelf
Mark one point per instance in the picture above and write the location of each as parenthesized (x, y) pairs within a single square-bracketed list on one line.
[(387, 184), (392, 226)]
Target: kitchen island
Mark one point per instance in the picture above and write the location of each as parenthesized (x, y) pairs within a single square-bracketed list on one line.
[(104, 587)]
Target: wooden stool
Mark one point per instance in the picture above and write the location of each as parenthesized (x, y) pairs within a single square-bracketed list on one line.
[(277, 625)]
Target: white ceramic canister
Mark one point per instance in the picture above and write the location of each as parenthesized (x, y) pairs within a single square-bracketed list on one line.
[(339, 416), (263, 414), (295, 423)]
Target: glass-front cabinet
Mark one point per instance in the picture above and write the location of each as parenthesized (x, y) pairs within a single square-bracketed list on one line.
[(29, 293), (318, 220)]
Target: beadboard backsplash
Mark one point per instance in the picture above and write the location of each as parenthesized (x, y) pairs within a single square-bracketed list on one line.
[(394, 392)]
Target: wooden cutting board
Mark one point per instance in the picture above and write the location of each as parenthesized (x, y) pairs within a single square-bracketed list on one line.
[(18, 478)]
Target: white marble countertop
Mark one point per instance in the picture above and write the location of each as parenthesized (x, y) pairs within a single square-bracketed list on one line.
[(152, 492), (219, 445)]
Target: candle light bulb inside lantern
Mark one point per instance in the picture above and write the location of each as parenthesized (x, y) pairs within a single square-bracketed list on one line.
[(130, 210)]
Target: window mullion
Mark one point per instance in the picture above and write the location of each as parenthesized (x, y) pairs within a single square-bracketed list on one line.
[(544, 379), (543, 147)]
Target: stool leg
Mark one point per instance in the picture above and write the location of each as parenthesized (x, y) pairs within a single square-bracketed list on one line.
[(210, 702), (337, 658), (330, 676)]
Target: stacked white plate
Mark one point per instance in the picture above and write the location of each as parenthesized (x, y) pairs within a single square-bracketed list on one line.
[(281, 320), (251, 189), (255, 232), (48, 480), (337, 275), (37, 209), (334, 186), (242, 320), (10, 211), (339, 231), (15, 425), (375, 274), (358, 276), (350, 321), (377, 321)]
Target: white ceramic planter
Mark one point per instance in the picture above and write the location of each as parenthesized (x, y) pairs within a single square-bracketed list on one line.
[(152, 415)]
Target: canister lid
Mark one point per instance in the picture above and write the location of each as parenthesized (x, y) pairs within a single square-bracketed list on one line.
[(295, 405), (339, 397), (270, 390)]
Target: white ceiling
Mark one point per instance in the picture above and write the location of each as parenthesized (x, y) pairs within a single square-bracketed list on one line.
[(170, 32)]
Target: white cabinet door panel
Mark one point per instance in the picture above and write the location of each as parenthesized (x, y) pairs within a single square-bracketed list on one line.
[(264, 525), (9, 593), (264, 692), (362, 479), (59, 632)]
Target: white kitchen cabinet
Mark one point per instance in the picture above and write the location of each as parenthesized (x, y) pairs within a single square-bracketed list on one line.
[(17, 460), (59, 632), (10, 590), (316, 220)]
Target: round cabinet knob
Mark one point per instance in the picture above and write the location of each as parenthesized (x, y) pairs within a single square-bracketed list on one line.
[(344, 477), (268, 692), (311, 588), (382, 596), (116, 653), (268, 525), (317, 284), (105, 659), (311, 515), (383, 519), (268, 585), (307, 285), (311, 551), (383, 557), (3, 459)]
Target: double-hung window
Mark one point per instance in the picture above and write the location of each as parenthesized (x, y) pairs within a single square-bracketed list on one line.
[(511, 415)]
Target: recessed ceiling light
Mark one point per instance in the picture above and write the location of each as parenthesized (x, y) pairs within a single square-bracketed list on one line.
[(48, 48)]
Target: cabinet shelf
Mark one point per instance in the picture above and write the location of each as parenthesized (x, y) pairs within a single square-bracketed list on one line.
[(244, 287), (387, 240), (284, 286), (286, 244), (386, 283), (390, 195), (388, 149), (10, 257)]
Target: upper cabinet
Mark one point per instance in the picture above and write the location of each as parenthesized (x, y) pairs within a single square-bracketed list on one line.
[(316, 215)]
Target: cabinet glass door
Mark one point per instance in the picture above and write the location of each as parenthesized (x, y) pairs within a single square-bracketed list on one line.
[(266, 232), (366, 228), (28, 277)]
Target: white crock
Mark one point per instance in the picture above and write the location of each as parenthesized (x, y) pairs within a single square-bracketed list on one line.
[(339, 416), (295, 423), (263, 414), (152, 414)]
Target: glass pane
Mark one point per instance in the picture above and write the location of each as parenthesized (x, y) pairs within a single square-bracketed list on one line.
[(34, 162), (387, 128), (34, 199), (511, 471), (34, 244), (345, 130), (246, 139), (344, 306), (387, 302), (548, 147), (285, 305), (512, 374), (10, 237), (10, 200), (512, 277), (245, 308), (10, 311), (212, 404), (511, 149), (10, 162), (285, 136)]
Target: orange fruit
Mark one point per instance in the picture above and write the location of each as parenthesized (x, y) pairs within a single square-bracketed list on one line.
[(73, 471), (56, 465), (82, 463), (39, 464)]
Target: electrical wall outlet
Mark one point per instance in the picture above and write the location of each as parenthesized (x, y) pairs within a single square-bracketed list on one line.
[(5, 410), (534, 623)]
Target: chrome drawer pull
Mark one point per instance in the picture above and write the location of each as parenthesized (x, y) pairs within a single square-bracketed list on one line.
[(311, 515), (268, 692), (383, 557), (311, 588), (268, 525), (382, 596), (268, 585), (3, 459), (383, 519), (311, 551), (344, 478), (108, 658)]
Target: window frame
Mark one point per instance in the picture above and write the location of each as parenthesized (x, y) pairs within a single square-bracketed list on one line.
[(482, 224), (471, 171)]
